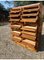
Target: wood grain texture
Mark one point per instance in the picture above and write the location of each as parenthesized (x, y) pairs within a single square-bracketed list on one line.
[(29, 33), (17, 39), (15, 33), (30, 10), (14, 15), (31, 14), (26, 25), (16, 20), (26, 46), (32, 20), (29, 28), (15, 26), (29, 42), (28, 37), (14, 12)]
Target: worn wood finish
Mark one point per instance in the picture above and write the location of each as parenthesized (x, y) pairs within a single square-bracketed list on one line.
[(29, 28), (15, 33), (26, 46), (25, 22), (15, 26), (18, 11), (31, 10), (31, 14), (29, 33), (17, 39), (14, 15), (16, 20), (32, 20), (29, 42), (28, 37), (26, 6)]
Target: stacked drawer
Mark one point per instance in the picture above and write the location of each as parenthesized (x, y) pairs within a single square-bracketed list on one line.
[(25, 25), (15, 16)]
